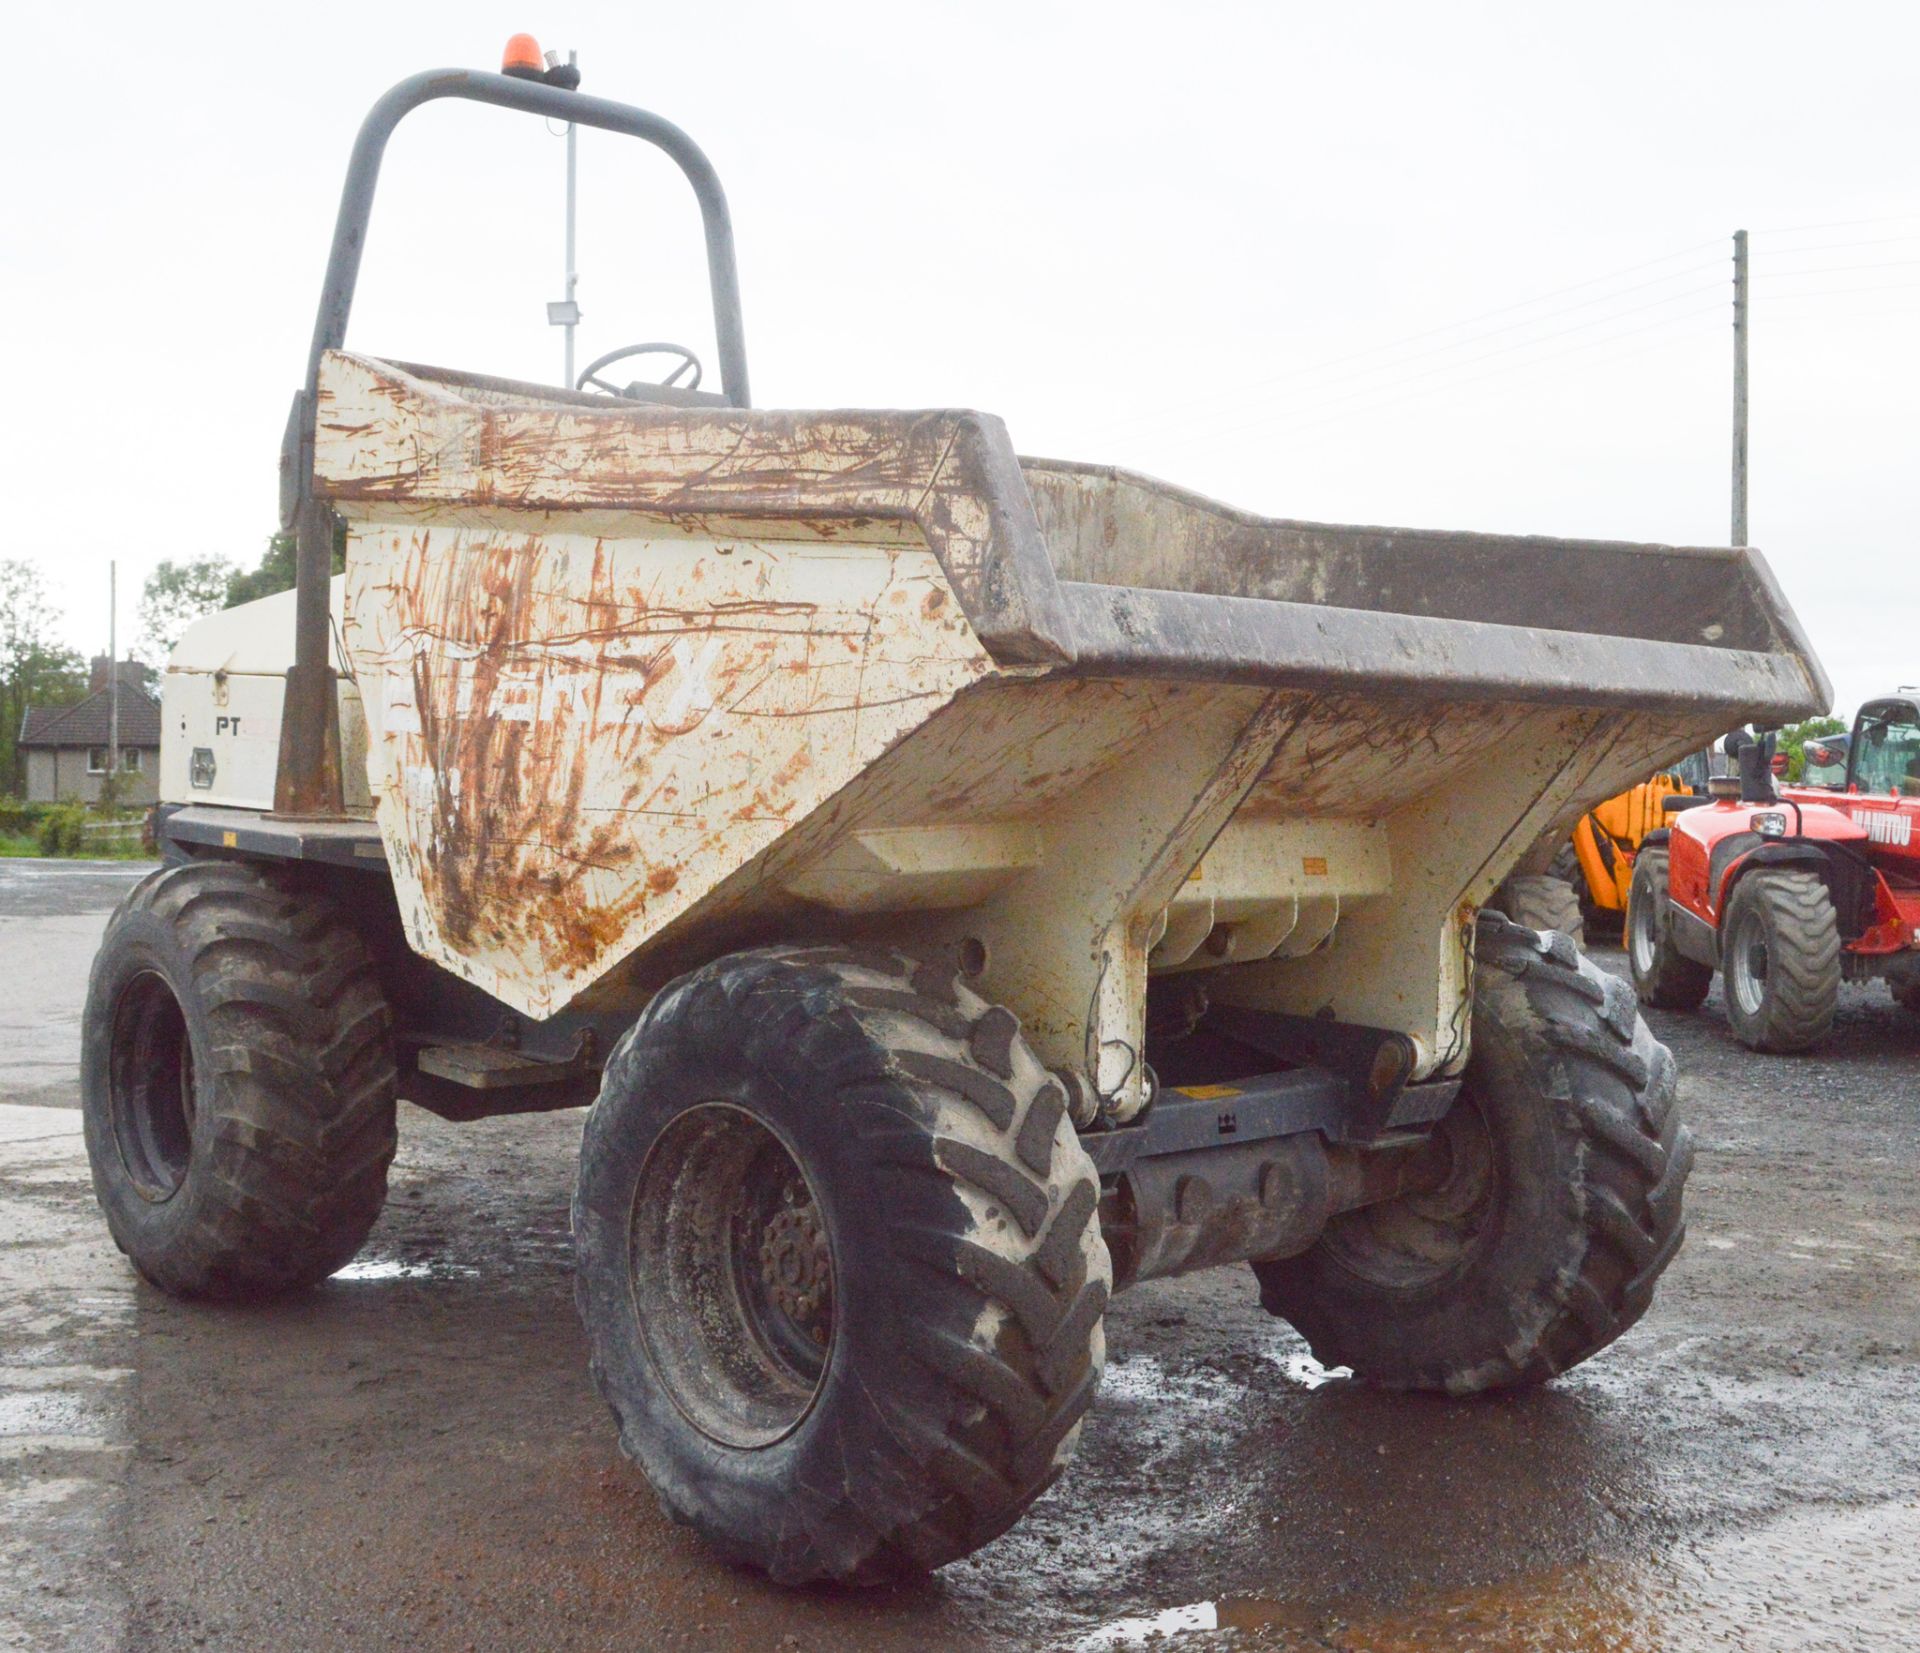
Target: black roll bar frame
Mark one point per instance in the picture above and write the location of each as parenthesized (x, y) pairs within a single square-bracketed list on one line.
[(307, 782)]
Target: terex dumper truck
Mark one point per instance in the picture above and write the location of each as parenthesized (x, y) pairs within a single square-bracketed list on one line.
[(962, 885)]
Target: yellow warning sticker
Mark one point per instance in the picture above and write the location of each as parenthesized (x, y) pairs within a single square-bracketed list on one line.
[(1314, 866), (230, 840), (1208, 1093)]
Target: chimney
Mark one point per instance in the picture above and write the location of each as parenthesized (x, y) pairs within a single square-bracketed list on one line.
[(101, 675)]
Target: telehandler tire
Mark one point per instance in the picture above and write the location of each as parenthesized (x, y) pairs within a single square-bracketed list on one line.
[(1559, 1210), (1662, 976), (1541, 901), (1599, 920), (1780, 960), (237, 1083), (838, 1258)]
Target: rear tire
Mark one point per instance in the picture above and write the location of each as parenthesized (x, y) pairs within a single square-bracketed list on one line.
[(1663, 976), (1558, 1215), (1540, 901), (1780, 961), (1599, 920), (237, 1083), (839, 1262)]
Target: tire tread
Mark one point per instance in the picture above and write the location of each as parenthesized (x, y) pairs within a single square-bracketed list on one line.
[(1623, 1155), (1803, 971), (948, 1090), (300, 1128)]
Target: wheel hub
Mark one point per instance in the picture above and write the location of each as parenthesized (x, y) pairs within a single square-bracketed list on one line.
[(1640, 931), (1751, 965), (151, 1087), (1421, 1237), (796, 1267), (731, 1266)]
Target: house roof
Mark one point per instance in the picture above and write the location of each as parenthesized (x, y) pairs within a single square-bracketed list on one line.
[(85, 722)]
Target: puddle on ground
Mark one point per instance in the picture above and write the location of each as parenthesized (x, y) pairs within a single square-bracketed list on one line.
[(1839, 1579), (1143, 1382), (386, 1268), (47, 1412), (22, 1122)]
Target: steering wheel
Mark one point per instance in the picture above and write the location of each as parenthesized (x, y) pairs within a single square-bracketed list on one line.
[(689, 362)]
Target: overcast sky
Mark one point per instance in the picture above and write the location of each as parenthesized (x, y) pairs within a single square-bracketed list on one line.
[(1437, 265)]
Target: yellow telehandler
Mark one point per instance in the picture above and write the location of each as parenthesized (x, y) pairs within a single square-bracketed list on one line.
[(1578, 879)]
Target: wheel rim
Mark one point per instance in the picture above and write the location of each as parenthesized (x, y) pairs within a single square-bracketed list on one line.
[(1417, 1239), (151, 1087), (1748, 962), (732, 1276), (1640, 937)]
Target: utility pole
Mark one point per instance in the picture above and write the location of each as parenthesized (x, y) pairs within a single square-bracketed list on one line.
[(566, 314), (573, 182), (113, 675), (1740, 387)]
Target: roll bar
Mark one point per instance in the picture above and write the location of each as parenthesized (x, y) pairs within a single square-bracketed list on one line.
[(308, 779), (533, 98)]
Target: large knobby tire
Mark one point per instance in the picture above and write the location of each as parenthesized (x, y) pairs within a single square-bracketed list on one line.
[(839, 1262), (1780, 960), (1559, 1211), (1663, 976), (237, 1082), (1541, 901)]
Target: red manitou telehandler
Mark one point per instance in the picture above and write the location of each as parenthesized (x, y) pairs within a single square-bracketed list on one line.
[(1787, 892)]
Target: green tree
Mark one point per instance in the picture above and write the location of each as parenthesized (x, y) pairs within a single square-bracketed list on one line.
[(178, 593), (276, 569), (35, 669), (1794, 737)]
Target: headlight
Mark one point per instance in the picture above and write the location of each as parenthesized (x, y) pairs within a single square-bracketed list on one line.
[(1770, 823)]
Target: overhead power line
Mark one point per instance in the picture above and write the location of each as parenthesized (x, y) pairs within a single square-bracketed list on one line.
[(1400, 397), (1479, 397), (1842, 292), (1833, 317), (1847, 269), (1390, 376), (1775, 300), (1841, 224), (1297, 402), (1835, 246), (1253, 388), (1211, 414)]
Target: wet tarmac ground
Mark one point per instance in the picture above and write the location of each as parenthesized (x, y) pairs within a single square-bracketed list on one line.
[(412, 1456)]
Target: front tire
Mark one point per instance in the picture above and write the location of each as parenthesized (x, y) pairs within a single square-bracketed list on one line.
[(839, 1264), (237, 1083), (1559, 1211), (1663, 976), (1780, 961)]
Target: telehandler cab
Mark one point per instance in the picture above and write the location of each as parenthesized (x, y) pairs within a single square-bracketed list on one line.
[(963, 885)]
